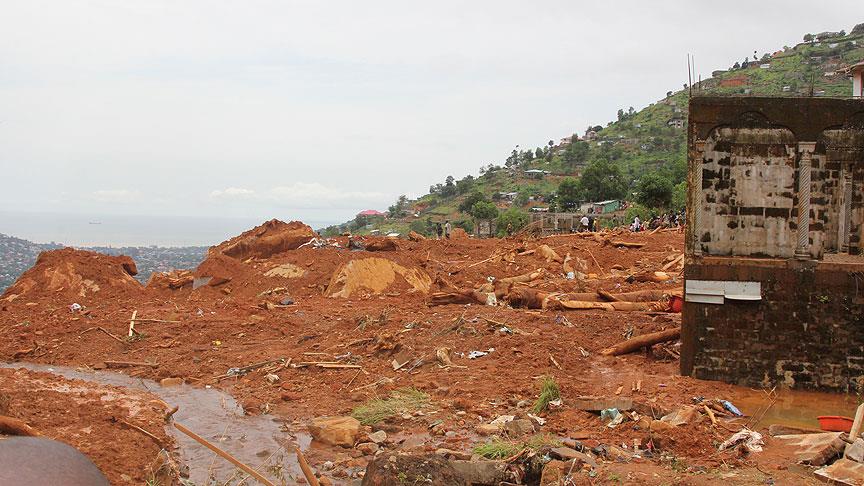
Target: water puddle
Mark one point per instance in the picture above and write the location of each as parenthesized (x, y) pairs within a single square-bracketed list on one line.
[(793, 407), (259, 441)]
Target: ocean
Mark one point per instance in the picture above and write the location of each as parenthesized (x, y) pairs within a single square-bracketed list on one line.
[(129, 230)]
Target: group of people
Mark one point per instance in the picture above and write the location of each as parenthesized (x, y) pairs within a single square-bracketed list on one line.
[(443, 230), (668, 220)]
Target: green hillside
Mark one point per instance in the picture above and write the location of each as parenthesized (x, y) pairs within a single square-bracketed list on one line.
[(639, 157)]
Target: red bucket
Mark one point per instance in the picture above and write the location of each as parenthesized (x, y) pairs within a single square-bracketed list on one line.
[(835, 423)]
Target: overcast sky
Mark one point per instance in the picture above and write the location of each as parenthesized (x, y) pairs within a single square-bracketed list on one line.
[(317, 109)]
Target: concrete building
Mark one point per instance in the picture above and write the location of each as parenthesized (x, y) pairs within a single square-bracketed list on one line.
[(857, 72), (774, 293)]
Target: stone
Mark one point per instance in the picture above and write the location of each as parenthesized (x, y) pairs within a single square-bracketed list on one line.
[(481, 472), (855, 450), (368, 448), (843, 471), (430, 470), (555, 472), (338, 431), (377, 437), (683, 415), (171, 381), (272, 378), (519, 427), (290, 396), (596, 404), (451, 454)]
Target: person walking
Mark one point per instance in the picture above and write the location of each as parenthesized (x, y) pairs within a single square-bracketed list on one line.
[(447, 229)]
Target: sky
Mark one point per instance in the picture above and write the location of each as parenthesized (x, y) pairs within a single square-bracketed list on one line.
[(315, 110)]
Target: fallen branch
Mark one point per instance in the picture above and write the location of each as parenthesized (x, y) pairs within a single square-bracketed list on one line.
[(126, 364), (673, 262), (106, 332), (141, 319), (602, 272), (304, 466), (627, 244), (148, 434), (642, 341), (228, 457)]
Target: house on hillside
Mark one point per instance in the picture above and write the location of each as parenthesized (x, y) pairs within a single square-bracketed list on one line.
[(609, 206), (565, 141), (536, 173), (371, 213), (857, 73), (676, 122), (590, 135)]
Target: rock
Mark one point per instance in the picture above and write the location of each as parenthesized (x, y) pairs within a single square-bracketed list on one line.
[(340, 431), (398, 470), (481, 472), (289, 396), (555, 472), (171, 381), (377, 437), (272, 378), (523, 404), (368, 448), (451, 454), (683, 415), (519, 427), (855, 451), (596, 404)]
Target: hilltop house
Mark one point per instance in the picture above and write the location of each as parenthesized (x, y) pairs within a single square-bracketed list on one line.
[(371, 213), (676, 122), (857, 72)]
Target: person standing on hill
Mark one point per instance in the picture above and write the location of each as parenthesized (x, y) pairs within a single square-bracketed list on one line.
[(447, 229), (439, 230)]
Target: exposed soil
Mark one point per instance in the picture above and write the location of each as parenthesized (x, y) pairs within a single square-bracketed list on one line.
[(365, 308)]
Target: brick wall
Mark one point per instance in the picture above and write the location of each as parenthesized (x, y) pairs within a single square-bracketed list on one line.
[(806, 332)]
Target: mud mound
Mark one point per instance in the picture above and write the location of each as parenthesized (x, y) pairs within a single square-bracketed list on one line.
[(266, 240), (76, 273), (375, 275), (285, 270), (458, 234)]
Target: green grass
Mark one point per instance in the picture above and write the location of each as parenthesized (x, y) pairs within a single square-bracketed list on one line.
[(403, 400), (549, 392), (497, 448)]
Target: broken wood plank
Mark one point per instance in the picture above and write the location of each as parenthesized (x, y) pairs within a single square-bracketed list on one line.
[(642, 341), (673, 262), (132, 323), (552, 359)]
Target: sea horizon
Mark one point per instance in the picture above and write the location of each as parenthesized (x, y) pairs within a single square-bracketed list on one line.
[(93, 230)]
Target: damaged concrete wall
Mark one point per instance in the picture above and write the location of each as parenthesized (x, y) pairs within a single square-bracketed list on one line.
[(775, 186)]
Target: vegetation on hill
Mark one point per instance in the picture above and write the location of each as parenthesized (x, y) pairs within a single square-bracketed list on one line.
[(640, 157)]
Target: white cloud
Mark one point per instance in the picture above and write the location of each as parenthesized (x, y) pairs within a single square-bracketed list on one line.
[(116, 195), (232, 192)]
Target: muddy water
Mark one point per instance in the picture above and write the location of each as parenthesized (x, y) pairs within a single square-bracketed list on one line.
[(258, 441), (794, 408)]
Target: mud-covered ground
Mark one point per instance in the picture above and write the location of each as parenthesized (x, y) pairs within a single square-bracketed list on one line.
[(363, 317)]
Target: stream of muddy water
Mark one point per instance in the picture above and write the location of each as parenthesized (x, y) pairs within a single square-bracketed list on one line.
[(259, 441)]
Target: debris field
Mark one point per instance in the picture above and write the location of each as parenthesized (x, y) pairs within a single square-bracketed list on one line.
[(523, 360)]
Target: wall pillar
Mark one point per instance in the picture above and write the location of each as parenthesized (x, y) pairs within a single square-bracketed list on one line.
[(805, 165), (698, 197), (846, 209)]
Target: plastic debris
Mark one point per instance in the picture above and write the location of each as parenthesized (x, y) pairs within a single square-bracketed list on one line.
[(751, 440), (539, 420), (75, 307), (609, 413), (731, 408), (479, 354)]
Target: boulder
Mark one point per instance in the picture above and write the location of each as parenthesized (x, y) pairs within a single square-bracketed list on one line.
[(398, 470), (339, 431), (377, 437)]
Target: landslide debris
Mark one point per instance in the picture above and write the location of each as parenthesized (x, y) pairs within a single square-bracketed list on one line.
[(266, 240), (75, 273), (376, 275)]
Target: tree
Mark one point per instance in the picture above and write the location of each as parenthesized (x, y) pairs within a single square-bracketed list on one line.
[(568, 194), (449, 188), (575, 154), (654, 191), (465, 184), (475, 197), (401, 204), (737, 65), (808, 37), (484, 210), (513, 217), (679, 196), (539, 154), (602, 180)]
